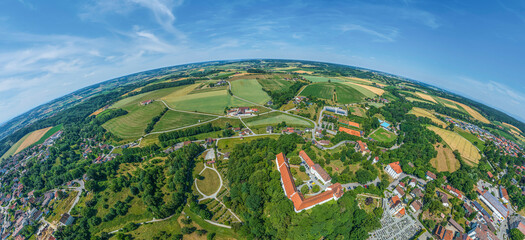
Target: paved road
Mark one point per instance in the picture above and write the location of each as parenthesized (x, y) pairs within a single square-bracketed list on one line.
[(338, 145)]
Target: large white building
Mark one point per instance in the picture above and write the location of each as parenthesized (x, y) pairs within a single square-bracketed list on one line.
[(394, 170), (500, 212)]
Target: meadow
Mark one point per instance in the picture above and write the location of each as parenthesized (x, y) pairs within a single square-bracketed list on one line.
[(276, 118), (468, 151), (250, 90), (445, 161), (273, 84), (316, 79), (132, 125), (349, 94), (319, 90), (210, 184), (213, 102), (175, 119)]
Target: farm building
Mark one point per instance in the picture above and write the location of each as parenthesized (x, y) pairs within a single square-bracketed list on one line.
[(333, 192), (144, 103), (394, 170)]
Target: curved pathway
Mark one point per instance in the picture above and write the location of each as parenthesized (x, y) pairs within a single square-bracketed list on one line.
[(214, 196)]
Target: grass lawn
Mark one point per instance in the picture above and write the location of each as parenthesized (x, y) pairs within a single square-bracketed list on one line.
[(136, 213), (361, 199), (349, 93), (250, 90), (275, 84), (319, 90), (276, 118), (338, 166), (62, 206), (227, 145), (210, 184), (383, 135), (316, 79), (147, 231), (174, 119), (132, 125), (222, 233), (472, 138), (457, 142)]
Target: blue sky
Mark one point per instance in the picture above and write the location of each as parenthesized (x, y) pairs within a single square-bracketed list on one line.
[(53, 47)]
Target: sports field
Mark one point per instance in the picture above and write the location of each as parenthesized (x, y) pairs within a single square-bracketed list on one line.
[(426, 97), (383, 135), (132, 125), (174, 119), (445, 160), (319, 90), (276, 118), (420, 112), (250, 90), (468, 151), (273, 84), (316, 79)]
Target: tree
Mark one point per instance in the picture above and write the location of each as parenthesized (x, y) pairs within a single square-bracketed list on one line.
[(316, 188), (302, 169), (305, 189), (516, 234), (295, 160)]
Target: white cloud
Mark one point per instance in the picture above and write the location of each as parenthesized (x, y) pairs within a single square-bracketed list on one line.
[(388, 35)]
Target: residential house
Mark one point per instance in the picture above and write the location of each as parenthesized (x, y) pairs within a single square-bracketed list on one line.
[(269, 129), (361, 147), (430, 176), (412, 183), (416, 205), (504, 195), (417, 193), (399, 192), (394, 170), (397, 208), (67, 219)]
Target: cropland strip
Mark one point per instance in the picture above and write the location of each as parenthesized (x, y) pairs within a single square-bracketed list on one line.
[(468, 151), (426, 97), (377, 91), (32, 138), (445, 161), (475, 114), (420, 112)]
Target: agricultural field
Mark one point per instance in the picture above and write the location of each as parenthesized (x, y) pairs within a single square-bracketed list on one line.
[(449, 104), (319, 90), (213, 102), (366, 90), (426, 97), (174, 119), (468, 151), (472, 138), (153, 95), (250, 90), (411, 99), (48, 134), (445, 160), (210, 184), (420, 112), (316, 79), (133, 124), (348, 94), (26, 141), (383, 135), (273, 84), (276, 118), (475, 114)]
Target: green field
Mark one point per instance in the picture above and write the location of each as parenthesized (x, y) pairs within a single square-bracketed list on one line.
[(276, 118), (147, 96), (150, 230), (250, 90), (348, 94), (174, 119), (316, 79), (472, 138), (210, 184), (367, 93), (209, 102), (49, 133), (319, 90), (383, 135), (275, 84), (132, 125), (15, 146)]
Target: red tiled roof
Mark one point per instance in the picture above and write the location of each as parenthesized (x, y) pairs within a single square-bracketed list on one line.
[(350, 131), (288, 182), (449, 235), (301, 203), (400, 191), (280, 159), (490, 174), (396, 167), (504, 193), (322, 172), (431, 175), (306, 158)]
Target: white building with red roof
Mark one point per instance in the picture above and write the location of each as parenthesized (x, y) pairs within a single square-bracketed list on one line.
[(394, 170)]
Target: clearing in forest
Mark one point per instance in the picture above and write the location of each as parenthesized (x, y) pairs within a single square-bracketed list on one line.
[(426, 97), (250, 90), (445, 160), (420, 112), (468, 151)]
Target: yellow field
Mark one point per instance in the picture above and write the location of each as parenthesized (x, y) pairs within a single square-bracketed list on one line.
[(426, 97), (475, 114), (513, 127), (375, 90), (445, 160), (302, 71), (420, 112), (97, 112), (468, 151), (32, 138)]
